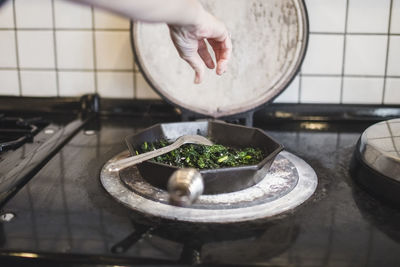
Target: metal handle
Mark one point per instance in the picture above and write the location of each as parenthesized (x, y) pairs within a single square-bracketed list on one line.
[(185, 186), (127, 162)]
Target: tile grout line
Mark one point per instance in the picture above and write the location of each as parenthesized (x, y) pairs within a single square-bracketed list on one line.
[(16, 49), (323, 75), (346, 21), (127, 30), (387, 52), (94, 53), (55, 48)]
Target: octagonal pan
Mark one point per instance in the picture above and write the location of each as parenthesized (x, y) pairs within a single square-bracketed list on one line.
[(221, 180)]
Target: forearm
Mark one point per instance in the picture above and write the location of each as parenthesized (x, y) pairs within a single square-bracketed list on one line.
[(191, 28), (179, 12)]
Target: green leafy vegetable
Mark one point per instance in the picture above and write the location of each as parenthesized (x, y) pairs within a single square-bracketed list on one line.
[(204, 157)]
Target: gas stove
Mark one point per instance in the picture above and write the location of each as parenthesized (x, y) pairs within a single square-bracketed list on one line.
[(55, 209)]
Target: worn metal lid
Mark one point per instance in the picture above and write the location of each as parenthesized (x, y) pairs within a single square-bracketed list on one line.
[(379, 147), (269, 39)]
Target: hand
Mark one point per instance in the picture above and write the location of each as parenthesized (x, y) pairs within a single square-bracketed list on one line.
[(190, 41)]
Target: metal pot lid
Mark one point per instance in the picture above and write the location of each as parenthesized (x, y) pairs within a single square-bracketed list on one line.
[(269, 39), (379, 147)]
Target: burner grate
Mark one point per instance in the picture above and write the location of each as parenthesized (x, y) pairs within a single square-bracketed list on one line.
[(16, 131)]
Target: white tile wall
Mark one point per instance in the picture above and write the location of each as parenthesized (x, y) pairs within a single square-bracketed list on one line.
[(74, 83), (362, 90), (368, 16), (325, 54), (8, 57), (392, 93), (327, 15), (38, 83), (395, 23), (9, 82), (72, 16), (34, 14), (36, 49), (74, 49), (143, 89), (291, 93), (320, 90), (365, 55), (59, 48), (106, 20), (116, 84), (113, 51), (393, 68)]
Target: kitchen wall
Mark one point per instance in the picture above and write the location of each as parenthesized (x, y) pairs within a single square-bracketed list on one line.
[(55, 48)]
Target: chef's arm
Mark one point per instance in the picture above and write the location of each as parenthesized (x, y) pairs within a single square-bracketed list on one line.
[(190, 28), (181, 12)]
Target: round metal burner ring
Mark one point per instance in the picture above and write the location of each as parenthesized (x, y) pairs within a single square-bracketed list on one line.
[(282, 189), (270, 187)]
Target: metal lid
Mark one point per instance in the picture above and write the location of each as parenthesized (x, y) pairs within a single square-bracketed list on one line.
[(269, 39), (380, 148)]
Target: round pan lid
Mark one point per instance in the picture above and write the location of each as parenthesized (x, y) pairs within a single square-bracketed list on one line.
[(380, 148), (269, 42)]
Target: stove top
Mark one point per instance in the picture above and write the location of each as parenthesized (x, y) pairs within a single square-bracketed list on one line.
[(62, 213)]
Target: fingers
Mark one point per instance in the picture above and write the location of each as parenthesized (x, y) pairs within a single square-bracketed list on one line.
[(224, 56), (189, 50), (196, 62), (216, 33), (205, 55), (223, 51), (221, 43), (191, 45)]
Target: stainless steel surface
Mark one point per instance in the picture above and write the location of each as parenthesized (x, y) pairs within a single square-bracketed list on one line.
[(289, 183), (185, 139), (185, 186), (380, 148)]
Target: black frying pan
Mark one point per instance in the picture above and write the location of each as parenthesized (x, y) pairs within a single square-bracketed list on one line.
[(222, 180)]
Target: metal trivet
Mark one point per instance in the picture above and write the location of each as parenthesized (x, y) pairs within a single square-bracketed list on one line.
[(15, 131), (290, 182)]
